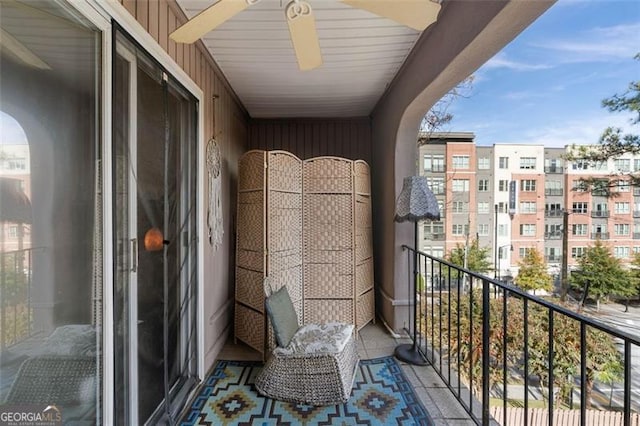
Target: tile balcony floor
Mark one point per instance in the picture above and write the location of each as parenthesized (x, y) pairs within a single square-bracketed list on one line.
[(375, 341)]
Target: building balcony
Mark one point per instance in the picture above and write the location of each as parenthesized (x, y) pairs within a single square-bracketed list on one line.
[(600, 213), (636, 235), (599, 235), (554, 169), (553, 259), (435, 237), (553, 235), (553, 192), (636, 213), (553, 213)]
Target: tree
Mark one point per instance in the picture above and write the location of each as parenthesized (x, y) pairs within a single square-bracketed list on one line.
[(600, 274), (533, 274), (439, 115), (613, 142), (477, 257)]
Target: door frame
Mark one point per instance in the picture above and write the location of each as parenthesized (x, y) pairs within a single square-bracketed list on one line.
[(102, 14)]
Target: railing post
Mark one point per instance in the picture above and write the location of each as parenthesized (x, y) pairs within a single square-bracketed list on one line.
[(485, 352)]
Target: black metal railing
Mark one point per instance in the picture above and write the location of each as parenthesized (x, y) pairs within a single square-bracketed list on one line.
[(16, 310), (498, 348)]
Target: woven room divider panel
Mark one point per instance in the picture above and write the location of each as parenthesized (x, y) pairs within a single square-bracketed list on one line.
[(306, 225)]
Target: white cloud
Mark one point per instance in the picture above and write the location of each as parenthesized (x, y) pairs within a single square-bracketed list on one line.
[(585, 130), (501, 61), (596, 45)]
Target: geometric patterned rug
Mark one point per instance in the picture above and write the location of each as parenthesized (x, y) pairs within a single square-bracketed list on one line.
[(381, 395)]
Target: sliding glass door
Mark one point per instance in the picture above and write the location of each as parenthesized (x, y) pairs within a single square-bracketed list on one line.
[(155, 238)]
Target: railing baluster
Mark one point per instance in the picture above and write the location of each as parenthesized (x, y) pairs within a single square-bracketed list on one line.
[(440, 323), (526, 361), (504, 355), (627, 382), (458, 337), (551, 378), (485, 351), (470, 347), (583, 374), (449, 323)]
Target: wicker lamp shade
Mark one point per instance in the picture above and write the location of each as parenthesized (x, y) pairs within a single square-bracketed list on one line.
[(416, 201)]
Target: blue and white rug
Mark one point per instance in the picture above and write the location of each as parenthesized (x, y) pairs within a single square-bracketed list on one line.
[(381, 395)]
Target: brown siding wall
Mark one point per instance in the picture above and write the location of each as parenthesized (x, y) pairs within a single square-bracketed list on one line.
[(307, 138), (159, 18)]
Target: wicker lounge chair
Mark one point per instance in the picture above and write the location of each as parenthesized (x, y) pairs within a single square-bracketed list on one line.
[(314, 364)]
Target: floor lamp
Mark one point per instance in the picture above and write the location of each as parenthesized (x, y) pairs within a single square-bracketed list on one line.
[(416, 202)]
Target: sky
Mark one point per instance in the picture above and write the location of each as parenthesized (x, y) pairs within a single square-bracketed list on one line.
[(547, 85)]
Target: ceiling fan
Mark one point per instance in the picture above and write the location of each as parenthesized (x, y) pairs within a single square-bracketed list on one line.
[(416, 14)]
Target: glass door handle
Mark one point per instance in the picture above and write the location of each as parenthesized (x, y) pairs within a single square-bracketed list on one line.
[(134, 255)]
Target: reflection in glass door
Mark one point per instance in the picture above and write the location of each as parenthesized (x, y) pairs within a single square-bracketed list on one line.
[(155, 181)]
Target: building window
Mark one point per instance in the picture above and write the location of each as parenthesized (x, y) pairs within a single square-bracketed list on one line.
[(621, 229), (553, 230), (553, 209), (502, 230), (503, 185), (459, 229), (503, 207), (436, 185), (621, 208), (503, 252), (528, 163), (483, 163), (528, 185), (459, 207), (483, 207), (13, 164), (460, 162), (528, 207), (553, 165), (437, 227), (580, 165), (528, 229), (622, 165), (483, 229), (621, 252), (578, 185), (636, 249), (523, 251), (433, 163), (503, 162), (12, 231), (460, 185), (483, 185), (577, 252), (600, 207), (623, 186), (636, 165), (579, 207), (579, 229)]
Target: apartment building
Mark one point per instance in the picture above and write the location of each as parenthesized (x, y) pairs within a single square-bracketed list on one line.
[(513, 197)]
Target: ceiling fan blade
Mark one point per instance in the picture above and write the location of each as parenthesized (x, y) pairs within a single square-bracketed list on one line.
[(416, 14), (209, 19), (302, 26)]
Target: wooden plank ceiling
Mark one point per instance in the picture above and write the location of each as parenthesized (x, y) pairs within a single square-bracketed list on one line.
[(362, 53)]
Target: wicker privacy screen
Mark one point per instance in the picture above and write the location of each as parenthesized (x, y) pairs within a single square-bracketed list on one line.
[(306, 225)]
